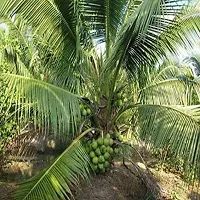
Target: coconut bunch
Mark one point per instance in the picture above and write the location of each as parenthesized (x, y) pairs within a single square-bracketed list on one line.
[(102, 150), (120, 99), (85, 111)]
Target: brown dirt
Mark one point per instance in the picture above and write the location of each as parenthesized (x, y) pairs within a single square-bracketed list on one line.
[(173, 186), (119, 184), (6, 191)]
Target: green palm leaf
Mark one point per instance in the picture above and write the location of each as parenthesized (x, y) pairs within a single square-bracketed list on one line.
[(105, 18), (169, 86), (17, 29), (167, 72), (44, 102), (167, 92), (150, 31), (196, 85), (54, 183), (46, 20), (174, 128), (194, 60)]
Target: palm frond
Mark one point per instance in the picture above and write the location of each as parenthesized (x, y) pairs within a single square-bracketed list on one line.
[(149, 45), (166, 73), (151, 31), (132, 7), (173, 128), (54, 182), (46, 20), (45, 103), (167, 92), (17, 29), (104, 17), (194, 60), (196, 85), (169, 86)]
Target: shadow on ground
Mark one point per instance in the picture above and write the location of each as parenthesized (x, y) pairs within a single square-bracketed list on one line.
[(194, 196)]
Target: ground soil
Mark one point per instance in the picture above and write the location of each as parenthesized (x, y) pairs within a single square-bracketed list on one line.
[(6, 190), (173, 187), (118, 184)]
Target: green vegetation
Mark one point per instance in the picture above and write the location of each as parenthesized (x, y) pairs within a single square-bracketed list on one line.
[(56, 78), (8, 120)]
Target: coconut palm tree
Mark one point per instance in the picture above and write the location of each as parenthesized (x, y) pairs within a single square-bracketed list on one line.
[(57, 66)]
